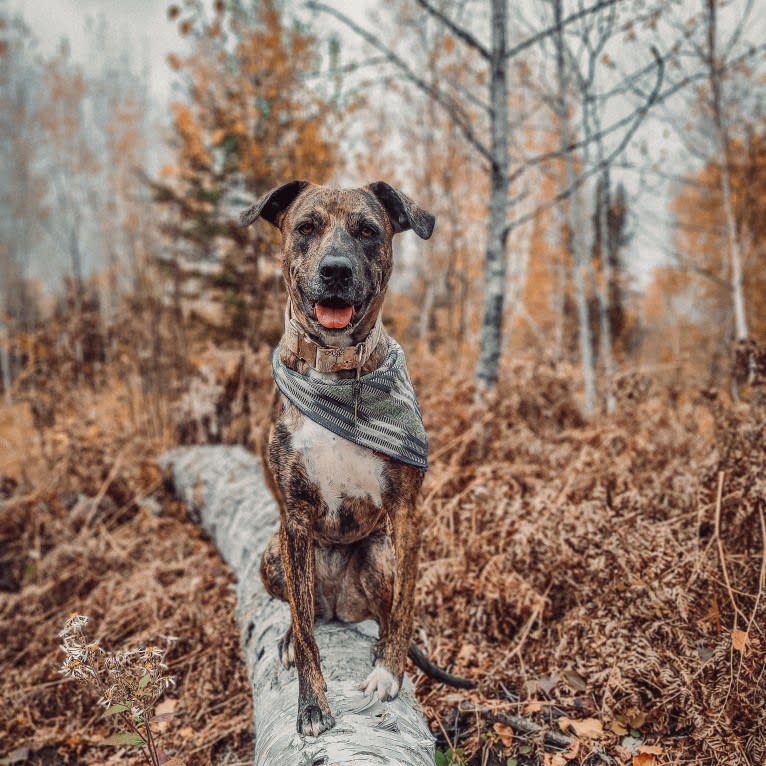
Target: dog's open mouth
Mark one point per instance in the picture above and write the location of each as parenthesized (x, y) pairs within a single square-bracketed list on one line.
[(333, 313)]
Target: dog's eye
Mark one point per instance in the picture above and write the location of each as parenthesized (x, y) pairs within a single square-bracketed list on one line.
[(367, 232), (306, 228)]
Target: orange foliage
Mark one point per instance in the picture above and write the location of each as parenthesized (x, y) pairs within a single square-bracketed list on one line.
[(252, 118), (688, 307), (248, 97)]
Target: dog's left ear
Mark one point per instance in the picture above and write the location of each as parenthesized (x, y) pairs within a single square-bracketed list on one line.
[(402, 211), (272, 204)]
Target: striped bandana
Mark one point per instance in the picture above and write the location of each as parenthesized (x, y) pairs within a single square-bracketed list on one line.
[(379, 410)]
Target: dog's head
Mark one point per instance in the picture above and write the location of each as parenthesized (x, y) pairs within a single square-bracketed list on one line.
[(336, 249)]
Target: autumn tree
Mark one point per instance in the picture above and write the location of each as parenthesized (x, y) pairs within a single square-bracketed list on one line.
[(689, 303), (79, 214), (22, 182), (435, 296), (720, 53), (252, 118), (489, 40), (583, 88)]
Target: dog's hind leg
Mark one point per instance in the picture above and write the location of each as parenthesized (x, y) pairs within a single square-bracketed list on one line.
[(376, 563), (390, 651), (273, 579)]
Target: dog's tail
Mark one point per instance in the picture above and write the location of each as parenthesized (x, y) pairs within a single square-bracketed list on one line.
[(417, 656)]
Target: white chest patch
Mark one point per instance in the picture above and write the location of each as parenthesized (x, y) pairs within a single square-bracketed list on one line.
[(338, 467)]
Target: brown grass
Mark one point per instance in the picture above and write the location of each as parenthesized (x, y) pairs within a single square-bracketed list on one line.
[(609, 571)]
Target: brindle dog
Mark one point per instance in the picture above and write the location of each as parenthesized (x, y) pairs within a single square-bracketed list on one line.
[(347, 545)]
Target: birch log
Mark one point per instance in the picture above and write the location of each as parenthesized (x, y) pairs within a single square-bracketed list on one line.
[(224, 486)]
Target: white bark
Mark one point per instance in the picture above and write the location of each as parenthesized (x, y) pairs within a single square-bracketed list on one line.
[(576, 221), (723, 142), (225, 486), (490, 341)]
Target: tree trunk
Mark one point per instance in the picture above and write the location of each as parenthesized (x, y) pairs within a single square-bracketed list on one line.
[(494, 265), (5, 362), (723, 141), (225, 487), (604, 202), (576, 222)]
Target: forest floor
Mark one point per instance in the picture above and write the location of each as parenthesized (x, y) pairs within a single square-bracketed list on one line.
[(604, 580)]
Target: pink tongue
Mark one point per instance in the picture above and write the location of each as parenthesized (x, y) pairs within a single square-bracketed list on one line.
[(332, 318)]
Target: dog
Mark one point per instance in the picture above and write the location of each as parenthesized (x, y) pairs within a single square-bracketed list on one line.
[(346, 451)]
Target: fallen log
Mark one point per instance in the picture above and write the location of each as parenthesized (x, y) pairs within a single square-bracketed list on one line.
[(225, 490)]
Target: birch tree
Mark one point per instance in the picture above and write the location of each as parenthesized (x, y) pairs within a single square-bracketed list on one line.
[(720, 49), (484, 121), (22, 182), (715, 71), (576, 217), (579, 106)]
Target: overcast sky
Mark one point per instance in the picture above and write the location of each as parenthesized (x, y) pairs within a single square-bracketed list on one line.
[(141, 26)]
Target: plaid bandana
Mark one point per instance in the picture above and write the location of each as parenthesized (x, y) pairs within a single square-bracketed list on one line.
[(379, 410)]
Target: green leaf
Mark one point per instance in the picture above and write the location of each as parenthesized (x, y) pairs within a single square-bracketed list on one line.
[(126, 738), (118, 707), (635, 733), (526, 749), (144, 681), (441, 759), (512, 762)]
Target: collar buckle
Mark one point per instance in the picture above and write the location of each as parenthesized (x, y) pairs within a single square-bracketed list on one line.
[(328, 359)]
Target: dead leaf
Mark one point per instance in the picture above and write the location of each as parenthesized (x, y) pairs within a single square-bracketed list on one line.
[(545, 684), (554, 759), (467, 654), (505, 733), (651, 749), (636, 718), (618, 728), (587, 728), (739, 640), (571, 753), (644, 759), (574, 680)]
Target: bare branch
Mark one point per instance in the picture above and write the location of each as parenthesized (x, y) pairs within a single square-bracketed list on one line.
[(583, 12), (683, 264), (459, 32), (637, 117), (462, 120), (353, 66)]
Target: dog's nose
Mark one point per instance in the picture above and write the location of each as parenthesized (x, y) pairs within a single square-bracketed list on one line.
[(335, 270)]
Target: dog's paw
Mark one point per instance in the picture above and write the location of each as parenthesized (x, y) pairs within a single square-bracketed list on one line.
[(312, 720), (381, 681), (287, 650)]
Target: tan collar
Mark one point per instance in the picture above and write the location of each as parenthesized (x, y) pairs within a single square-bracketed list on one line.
[(328, 359)]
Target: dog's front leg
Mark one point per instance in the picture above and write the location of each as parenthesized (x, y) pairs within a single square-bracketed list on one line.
[(297, 551), (390, 652)]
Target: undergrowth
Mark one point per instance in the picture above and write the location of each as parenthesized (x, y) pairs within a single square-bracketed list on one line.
[(602, 581)]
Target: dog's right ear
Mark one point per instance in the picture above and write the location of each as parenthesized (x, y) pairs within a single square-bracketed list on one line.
[(273, 204)]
